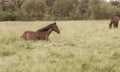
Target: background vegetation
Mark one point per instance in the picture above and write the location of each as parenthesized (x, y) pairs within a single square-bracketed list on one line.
[(58, 9)]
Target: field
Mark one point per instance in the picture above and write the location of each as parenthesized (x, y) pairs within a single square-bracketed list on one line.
[(82, 46)]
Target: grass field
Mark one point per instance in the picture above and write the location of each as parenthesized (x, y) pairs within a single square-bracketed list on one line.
[(82, 46)]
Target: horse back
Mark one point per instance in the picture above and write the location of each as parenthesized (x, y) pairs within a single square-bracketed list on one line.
[(29, 35), (115, 19)]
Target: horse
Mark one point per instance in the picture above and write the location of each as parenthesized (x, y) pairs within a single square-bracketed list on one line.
[(41, 34), (114, 21)]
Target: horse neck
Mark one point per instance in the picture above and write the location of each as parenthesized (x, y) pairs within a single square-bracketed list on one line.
[(49, 31)]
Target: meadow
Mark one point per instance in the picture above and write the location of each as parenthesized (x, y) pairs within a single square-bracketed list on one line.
[(82, 46)]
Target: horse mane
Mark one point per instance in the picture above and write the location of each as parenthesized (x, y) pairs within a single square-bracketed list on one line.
[(45, 28)]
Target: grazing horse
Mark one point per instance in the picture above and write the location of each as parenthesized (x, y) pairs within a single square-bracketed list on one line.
[(114, 21), (41, 34)]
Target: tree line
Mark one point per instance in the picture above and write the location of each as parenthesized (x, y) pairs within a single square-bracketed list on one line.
[(32, 10)]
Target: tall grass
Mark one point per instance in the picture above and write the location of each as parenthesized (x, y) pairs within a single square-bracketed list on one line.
[(82, 46)]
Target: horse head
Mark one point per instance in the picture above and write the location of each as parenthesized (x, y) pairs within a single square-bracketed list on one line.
[(55, 27)]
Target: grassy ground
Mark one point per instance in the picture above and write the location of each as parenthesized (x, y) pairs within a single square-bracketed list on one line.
[(82, 46)]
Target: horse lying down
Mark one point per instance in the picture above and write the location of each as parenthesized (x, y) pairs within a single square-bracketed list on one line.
[(41, 34)]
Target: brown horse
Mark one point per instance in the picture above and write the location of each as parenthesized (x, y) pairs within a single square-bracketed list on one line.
[(41, 34), (114, 21)]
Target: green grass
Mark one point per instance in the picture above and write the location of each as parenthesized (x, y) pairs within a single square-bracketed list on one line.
[(82, 46)]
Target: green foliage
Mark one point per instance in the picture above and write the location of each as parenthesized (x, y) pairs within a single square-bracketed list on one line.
[(2, 15), (58, 10), (35, 9), (62, 9)]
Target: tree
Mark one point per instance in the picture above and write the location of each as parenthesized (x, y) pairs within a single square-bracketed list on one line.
[(83, 8), (35, 9), (115, 2), (62, 9), (94, 9), (50, 2), (14, 3)]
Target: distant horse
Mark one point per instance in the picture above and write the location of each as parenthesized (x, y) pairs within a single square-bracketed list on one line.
[(41, 34), (114, 21)]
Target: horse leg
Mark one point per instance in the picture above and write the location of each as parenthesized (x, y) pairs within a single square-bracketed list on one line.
[(110, 25), (46, 38), (116, 25)]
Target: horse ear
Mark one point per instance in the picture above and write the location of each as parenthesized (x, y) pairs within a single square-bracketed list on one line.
[(55, 23)]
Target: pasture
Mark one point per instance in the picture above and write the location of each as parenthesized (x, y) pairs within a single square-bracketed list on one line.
[(82, 46)]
